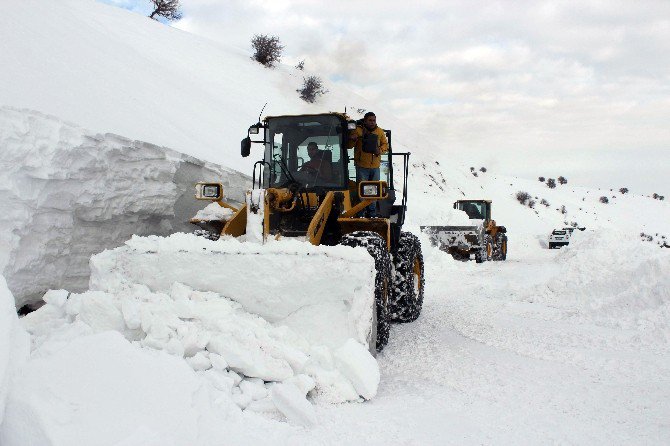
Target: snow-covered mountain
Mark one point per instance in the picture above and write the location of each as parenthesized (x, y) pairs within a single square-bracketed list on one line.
[(570, 346)]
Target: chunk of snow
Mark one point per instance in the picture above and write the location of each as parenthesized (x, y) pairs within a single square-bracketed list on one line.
[(291, 402), (356, 363)]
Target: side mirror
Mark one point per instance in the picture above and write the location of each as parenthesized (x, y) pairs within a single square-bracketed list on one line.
[(246, 147)]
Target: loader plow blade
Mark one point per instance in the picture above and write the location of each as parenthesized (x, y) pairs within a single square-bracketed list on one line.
[(445, 237), (323, 293)]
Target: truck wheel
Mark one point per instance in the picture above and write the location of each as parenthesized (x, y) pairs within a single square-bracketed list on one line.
[(376, 247), (408, 280)]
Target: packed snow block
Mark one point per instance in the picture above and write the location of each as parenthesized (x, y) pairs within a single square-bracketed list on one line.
[(324, 293), (14, 344), (291, 402), (67, 193), (356, 364), (101, 390)]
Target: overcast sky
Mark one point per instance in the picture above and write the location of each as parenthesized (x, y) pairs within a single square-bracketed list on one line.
[(528, 88)]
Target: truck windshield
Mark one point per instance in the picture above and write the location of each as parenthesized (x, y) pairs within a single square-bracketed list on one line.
[(307, 149)]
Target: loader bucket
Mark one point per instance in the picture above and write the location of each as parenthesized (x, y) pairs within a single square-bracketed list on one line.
[(324, 293), (457, 237)]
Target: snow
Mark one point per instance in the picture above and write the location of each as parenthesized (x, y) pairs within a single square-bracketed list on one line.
[(214, 211), (67, 193), (154, 342), (14, 343)]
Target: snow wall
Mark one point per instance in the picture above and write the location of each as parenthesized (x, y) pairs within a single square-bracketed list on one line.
[(72, 193)]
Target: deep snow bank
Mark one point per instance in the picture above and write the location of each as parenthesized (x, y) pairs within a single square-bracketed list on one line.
[(14, 343), (67, 193), (97, 389), (612, 280)]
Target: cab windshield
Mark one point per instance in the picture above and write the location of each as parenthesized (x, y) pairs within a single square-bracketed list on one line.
[(305, 149), (475, 210)]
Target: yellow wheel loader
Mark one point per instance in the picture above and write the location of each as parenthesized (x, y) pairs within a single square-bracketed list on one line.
[(304, 188), (484, 239)]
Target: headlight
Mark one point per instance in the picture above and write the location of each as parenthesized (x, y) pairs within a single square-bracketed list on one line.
[(351, 125), (370, 190), (208, 191)]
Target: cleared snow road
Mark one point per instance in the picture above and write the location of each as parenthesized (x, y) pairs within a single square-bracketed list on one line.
[(484, 364)]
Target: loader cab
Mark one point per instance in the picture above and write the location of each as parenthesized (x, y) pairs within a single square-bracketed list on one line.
[(306, 149), (476, 209)]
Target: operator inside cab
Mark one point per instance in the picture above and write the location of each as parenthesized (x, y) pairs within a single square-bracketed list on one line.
[(319, 164)]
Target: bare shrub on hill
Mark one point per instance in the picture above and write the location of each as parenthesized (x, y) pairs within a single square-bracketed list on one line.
[(301, 65), (267, 49), (562, 180), (482, 169), (623, 190), (541, 179), (312, 87), (545, 202), (522, 197), (551, 183), (168, 9), (604, 200)]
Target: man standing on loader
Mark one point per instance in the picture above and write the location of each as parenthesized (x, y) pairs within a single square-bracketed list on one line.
[(369, 143)]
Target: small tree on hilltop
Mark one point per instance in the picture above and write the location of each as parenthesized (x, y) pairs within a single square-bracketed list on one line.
[(604, 200), (551, 183), (168, 9), (541, 179), (301, 65), (267, 49), (623, 190), (562, 180), (312, 87), (482, 169)]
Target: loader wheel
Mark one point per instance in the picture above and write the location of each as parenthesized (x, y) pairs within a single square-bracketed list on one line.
[(503, 249), (209, 235), (480, 256), (500, 251), (376, 247), (408, 280), (488, 247)]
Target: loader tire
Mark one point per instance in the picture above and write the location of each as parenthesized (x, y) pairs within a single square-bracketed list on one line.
[(408, 280), (488, 248), (376, 247), (209, 235), (480, 256), (500, 248)]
